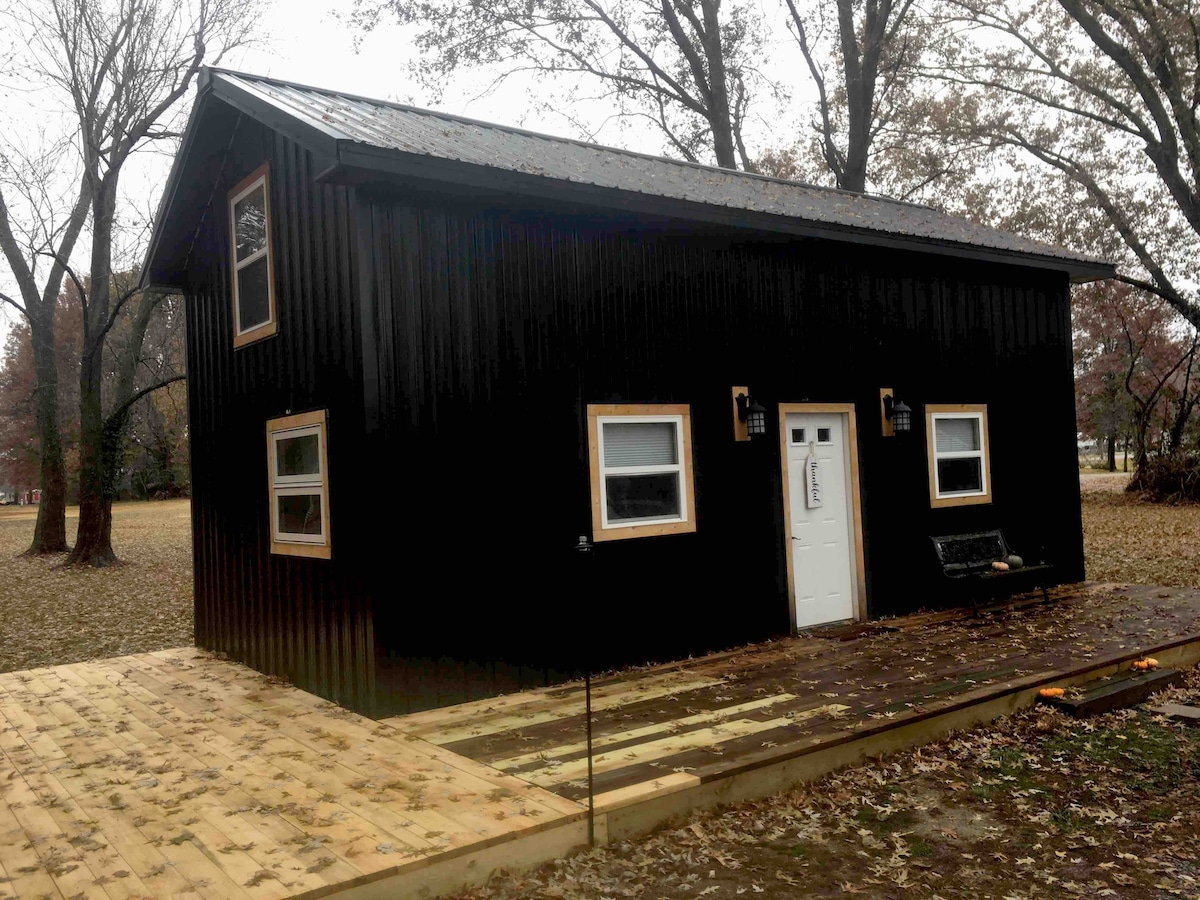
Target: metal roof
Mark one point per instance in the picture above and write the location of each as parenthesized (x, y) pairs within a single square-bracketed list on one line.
[(344, 122)]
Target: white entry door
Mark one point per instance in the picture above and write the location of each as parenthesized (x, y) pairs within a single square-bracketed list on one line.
[(821, 528)]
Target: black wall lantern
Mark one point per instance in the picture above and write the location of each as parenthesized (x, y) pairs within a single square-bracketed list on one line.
[(898, 413), (753, 414)]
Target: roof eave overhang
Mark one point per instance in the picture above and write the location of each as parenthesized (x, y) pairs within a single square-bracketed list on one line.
[(257, 106), (151, 277), (358, 162), (354, 162)]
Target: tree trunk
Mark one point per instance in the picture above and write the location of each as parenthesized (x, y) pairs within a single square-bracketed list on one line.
[(1112, 453), (93, 544), (50, 533), (720, 117)]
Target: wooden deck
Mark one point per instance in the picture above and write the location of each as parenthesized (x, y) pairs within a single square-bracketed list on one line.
[(803, 706), (179, 774), (175, 773)]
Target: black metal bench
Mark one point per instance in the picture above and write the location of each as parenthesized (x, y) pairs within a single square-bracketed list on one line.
[(966, 561)]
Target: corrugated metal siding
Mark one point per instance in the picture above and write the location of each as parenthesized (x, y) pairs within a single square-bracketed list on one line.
[(377, 123), (494, 329), (302, 619)]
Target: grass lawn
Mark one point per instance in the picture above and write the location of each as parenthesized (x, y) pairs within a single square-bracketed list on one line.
[(1036, 805), (50, 614)]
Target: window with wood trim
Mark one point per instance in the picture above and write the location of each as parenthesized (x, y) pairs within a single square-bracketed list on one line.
[(641, 470), (253, 270), (960, 471), (298, 476)]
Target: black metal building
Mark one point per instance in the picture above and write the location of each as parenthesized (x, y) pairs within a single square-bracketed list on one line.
[(427, 355)]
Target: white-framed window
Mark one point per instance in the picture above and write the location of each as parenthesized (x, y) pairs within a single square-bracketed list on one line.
[(959, 461), (253, 273), (641, 470), (298, 478)]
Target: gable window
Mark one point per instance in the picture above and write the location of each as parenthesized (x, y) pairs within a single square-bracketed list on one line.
[(641, 470), (298, 467), (253, 270), (959, 462)]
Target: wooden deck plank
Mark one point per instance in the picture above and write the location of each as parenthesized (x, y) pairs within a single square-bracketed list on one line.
[(877, 680), (502, 714), (475, 808), (300, 800), (636, 735), (368, 753), (86, 747), (227, 829), (188, 845), (178, 773), (47, 813)]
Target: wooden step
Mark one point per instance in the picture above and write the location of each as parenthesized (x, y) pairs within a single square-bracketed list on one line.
[(1115, 693), (1189, 715)]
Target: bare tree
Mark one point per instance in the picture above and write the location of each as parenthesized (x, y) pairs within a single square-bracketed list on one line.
[(122, 66), (1104, 93), (35, 245), (861, 64), (688, 66)]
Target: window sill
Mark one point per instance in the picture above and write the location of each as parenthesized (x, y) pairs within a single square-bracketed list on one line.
[(254, 335), (636, 531), (960, 500), (312, 551)]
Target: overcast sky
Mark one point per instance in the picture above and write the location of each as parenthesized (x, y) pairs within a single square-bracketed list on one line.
[(306, 42)]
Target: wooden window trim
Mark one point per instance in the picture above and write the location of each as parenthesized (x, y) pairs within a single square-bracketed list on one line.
[(598, 411), (318, 418), (959, 409), (240, 190)]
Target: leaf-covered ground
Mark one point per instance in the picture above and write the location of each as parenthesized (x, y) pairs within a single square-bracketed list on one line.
[(1131, 541), (50, 614)]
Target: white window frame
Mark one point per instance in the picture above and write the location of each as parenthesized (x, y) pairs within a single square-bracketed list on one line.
[(978, 413), (286, 543), (260, 177), (679, 415)]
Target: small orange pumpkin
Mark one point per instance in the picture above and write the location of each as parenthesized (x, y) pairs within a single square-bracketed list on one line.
[(1051, 692)]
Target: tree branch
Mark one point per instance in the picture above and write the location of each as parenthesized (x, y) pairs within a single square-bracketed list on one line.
[(122, 408)]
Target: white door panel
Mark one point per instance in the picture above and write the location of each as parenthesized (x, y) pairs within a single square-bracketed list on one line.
[(821, 537)]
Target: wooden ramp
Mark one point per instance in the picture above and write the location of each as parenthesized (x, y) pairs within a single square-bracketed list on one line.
[(178, 774), (738, 725)]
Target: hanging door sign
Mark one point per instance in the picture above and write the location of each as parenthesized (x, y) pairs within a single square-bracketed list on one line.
[(813, 491)]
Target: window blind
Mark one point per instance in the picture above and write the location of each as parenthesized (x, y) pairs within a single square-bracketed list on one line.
[(957, 435), (640, 444)]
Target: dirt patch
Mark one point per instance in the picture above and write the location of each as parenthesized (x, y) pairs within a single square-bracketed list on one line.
[(50, 614)]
